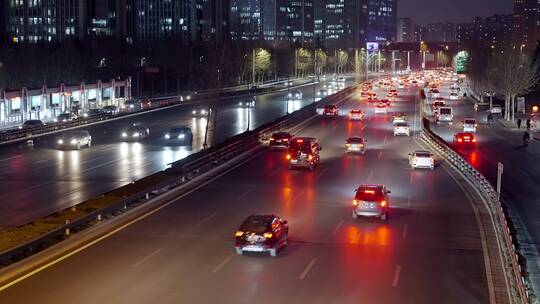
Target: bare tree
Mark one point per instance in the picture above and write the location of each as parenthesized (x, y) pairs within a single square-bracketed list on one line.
[(514, 74)]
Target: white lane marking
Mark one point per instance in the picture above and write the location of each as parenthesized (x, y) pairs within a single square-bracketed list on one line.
[(308, 268), (277, 170), (363, 127), (243, 194), (337, 227), (218, 267), (405, 229), (409, 201), (370, 175), (206, 219), (10, 158), (385, 138), (395, 281), (321, 173), (146, 258), (380, 155), (296, 197), (128, 224), (411, 178)]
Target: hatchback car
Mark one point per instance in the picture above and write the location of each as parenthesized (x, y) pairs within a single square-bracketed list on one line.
[(250, 103), (280, 140), (355, 145), (136, 132), (74, 139), (303, 152), (330, 111), (180, 135), (371, 201), (200, 113), (322, 93), (356, 115), (261, 233), (421, 159)]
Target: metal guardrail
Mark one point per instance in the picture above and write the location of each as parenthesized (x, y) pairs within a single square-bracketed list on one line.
[(181, 172), (148, 104), (511, 258)]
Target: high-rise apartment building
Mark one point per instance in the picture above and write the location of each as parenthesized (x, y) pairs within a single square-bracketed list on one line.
[(526, 23), (493, 32), (441, 32), (405, 30)]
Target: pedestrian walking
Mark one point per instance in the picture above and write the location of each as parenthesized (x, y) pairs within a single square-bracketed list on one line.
[(528, 124), (519, 123)]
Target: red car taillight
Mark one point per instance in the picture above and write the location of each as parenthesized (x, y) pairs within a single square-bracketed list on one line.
[(355, 202), (383, 203), (288, 156)]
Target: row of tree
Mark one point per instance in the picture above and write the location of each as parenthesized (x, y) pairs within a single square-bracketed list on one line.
[(173, 63), (509, 73)]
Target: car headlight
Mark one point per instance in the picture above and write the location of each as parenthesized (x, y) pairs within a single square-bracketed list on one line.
[(131, 106), (167, 136), (181, 136), (240, 103), (188, 97), (136, 134), (73, 142), (85, 115), (203, 112), (289, 94), (193, 112), (124, 134), (60, 141)]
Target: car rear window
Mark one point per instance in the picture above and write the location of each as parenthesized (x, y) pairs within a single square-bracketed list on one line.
[(400, 124), (355, 140), (300, 146), (470, 121), (370, 194), (423, 154), (255, 224)]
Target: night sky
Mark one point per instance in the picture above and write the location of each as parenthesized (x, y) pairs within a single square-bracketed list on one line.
[(425, 11)]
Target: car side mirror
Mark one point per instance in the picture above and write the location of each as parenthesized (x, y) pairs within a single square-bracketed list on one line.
[(285, 222), (388, 191), (356, 189)]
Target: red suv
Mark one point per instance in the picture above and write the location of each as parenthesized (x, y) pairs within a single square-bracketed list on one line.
[(262, 233), (464, 139)]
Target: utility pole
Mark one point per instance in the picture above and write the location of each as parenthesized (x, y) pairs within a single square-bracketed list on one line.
[(379, 61), (393, 62), (367, 64), (253, 68), (408, 61)]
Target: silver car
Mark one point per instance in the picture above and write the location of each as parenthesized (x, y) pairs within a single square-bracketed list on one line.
[(74, 139), (371, 201)]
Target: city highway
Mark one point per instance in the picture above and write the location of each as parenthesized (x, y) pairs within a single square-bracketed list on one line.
[(429, 251), (521, 172), (39, 181)]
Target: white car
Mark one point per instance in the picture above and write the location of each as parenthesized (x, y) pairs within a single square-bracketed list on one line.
[(381, 109), (496, 109), (469, 125), (399, 117), (295, 95), (421, 159), (454, 96), (401, 128)]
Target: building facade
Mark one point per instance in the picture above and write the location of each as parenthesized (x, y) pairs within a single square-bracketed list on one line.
[(526, 23), (382, 20), (341, 23), (493, 32), (441, 32), (405, 30)]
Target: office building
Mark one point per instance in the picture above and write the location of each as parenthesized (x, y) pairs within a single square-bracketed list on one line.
[(45, 21), (493, 32), (420, 33), (405, 30), (382, 20), (441, 32), (341, 23)]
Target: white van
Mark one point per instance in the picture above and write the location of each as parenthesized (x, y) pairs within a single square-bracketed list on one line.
[(445, 114), (469, 125)]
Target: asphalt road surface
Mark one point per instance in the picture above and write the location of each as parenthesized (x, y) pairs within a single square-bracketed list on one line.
[(521, 175), (429, 251), (35, 182)]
